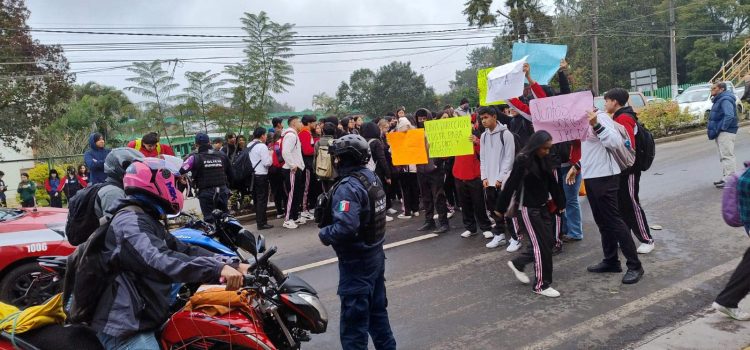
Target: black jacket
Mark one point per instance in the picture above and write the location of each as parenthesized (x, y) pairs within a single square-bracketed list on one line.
[(538, 184)]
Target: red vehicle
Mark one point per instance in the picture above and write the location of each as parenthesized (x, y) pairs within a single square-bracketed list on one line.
[(25, 235)]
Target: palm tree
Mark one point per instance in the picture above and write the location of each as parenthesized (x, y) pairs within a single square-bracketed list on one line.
[(154, 83), (203, 92)]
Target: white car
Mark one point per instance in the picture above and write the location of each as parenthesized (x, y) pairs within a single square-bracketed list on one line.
[(698, 103)]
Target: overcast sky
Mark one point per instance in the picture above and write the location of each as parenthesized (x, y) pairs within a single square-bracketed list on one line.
[(313, 73)]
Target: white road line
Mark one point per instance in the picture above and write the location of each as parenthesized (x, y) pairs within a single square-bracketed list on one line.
[(387, 246)]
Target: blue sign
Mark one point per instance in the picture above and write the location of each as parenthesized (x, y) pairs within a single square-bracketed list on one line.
[(544, 59)]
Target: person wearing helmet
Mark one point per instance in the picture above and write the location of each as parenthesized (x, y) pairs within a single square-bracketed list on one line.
[(149, 260), (114, 167), (353, 222), (211, 172)]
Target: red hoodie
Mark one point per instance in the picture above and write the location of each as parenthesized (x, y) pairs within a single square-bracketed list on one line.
[(306, 140), (467, 167)]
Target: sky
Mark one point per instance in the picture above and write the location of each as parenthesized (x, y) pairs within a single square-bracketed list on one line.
[(316, 68)]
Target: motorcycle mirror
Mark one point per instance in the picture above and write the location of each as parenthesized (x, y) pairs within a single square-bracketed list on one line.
[(246, 240), (261, 245), (217, 213)]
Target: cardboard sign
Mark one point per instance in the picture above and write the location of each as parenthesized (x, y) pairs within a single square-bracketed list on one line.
[(482, 88), (408, 148), (544, 59), (449, 137), (506, 81), (564, 116)]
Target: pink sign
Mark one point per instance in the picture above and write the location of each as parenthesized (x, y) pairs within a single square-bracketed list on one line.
[(564, 116)]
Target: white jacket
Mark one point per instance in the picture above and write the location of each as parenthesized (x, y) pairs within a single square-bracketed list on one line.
[(595, 159), (496, 154), (291, 150)]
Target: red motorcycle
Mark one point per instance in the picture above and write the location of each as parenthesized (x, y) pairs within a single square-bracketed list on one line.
[(281, 312)]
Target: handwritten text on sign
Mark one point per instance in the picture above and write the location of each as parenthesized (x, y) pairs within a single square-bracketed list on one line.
[(564, 116), (449, 137)]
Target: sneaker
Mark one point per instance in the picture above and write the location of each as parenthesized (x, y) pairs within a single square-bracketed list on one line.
[(300, 221), (280, 216), (404, 216), (416, 213), (488, 234), (451, 213), (719, 184), (307, 215), (645, 248), (549, 292), (388, 218), (735, 313), (392, 211), (496, 242), (513, 246), (290, 224), (518, 273), (441, 229), (435, 217), (468, 234)]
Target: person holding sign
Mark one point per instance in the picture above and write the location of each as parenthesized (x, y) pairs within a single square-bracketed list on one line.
[(407, 176), (431, 185)]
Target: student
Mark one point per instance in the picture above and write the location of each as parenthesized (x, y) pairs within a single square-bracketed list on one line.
[(307, 144), (469, 191), (218, 144), (230, 148), (408, 179), (27, 190), (371, 133), (94, 158), (630, 179), (260, 161), (293, 173), (275, 179), (532, 182), (54, 186), (602, 177), (72, 183), (83, 172), (431, 177), (497, 150), (3, 188), (149, 146)]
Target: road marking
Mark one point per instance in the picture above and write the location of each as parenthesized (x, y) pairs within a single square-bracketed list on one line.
[(387, 246)]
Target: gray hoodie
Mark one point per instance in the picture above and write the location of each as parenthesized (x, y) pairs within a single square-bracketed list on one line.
[(497, 150)]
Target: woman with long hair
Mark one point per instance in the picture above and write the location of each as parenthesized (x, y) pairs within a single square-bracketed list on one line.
[(531, 183)]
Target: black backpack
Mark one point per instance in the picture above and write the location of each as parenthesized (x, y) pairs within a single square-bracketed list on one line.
[(242, 172), (516, 140), (82, 222), (645, 147)]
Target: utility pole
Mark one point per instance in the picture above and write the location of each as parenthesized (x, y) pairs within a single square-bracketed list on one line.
[(672, 50), (595, 51)]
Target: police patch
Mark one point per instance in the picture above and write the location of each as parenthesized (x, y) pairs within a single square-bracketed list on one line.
[(343, 206)]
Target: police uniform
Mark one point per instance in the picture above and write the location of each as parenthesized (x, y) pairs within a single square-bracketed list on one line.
[(357, 235), (211, 172)]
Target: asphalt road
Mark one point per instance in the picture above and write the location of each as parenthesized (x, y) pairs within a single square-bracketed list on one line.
[(448, 292)]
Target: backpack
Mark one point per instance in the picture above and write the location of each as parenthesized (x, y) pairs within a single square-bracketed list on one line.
[(371, 163), (81, 221), (516, 140), (623, 154), (645, 146), (242, 171), (278, 160), (323, 160), (730, 200)]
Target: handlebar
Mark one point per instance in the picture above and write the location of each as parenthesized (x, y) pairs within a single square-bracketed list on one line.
[(264, 258)]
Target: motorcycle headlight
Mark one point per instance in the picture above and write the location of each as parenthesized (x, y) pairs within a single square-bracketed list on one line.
[(315, 302)]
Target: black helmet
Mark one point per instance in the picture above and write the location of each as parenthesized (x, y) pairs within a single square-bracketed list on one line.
[(353, 147), (118, 160)]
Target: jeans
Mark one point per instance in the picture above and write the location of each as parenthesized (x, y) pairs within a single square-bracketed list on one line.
[(139, 341), (572, 205)]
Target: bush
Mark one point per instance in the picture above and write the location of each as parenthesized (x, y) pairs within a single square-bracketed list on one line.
[(665, 118), (39, 174)]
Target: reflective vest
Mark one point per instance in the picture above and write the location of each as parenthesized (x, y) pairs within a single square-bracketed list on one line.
[(139, 143)]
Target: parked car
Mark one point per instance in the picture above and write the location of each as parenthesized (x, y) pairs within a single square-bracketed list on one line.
[(654, 99), (25, 235), (698, 102), (636, 100), (730, 86), (739, 92)]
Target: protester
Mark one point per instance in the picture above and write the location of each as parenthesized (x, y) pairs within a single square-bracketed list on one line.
[(408, 179), (467, 177), (149, 146), (532, 182), (497, 152), (307, 144), (83, 172), (72, 183), (217, 144), (94, 158), (463, 108), (615, 102), (27, 191), (355, 124), (3, 188), (241, 143), (278, 125), (54, 186), (260, 161), (431, 177), (293, 173), (384, 126), (371, 133), (344, 125), (601, 174), (275, 178), (326, 140), (211, 171), (230, 147), (722, 127)]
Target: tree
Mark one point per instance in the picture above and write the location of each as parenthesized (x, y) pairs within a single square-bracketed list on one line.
[(35, 77), (203, 93), (322, 103), (155, 84)]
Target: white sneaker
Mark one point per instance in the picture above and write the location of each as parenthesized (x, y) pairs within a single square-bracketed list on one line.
[(280, 216), (416, 213), (468, 234), (736, 314), (290, 224), (496, 242), (388, 218), (435, 217), (451, 213), (488, 234), (300, 221), (392, 211), (513, 245), (549, 292), (519, 274), (645, 248), (307, 216), (403, 216)]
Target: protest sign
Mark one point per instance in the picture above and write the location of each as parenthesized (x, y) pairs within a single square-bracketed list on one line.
[(408, 148), (544, 59), (482, 88), (506, 81), (449, 137), (564, 116)]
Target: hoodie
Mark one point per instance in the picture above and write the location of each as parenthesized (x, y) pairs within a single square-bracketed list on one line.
[(94, 159), (431, 162), (723, 116), (497, 149), (291, 150)]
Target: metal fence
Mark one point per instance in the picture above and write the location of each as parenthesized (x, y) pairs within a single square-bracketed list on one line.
[(38, 170), (665, 92)]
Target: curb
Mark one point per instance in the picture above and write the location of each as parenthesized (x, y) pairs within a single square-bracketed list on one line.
[(691, 134)]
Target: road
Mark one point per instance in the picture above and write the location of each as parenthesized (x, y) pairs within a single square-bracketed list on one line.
[(448, 292)]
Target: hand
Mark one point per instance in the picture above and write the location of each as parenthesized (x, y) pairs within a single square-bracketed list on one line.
[(570, 179), (498, 184), (592, 118), (498, 214), (474, 139), (561, 211), (563, 64), (388, 181), (485, 183), (526, 69), (232, 277), (294, 169), (243, 268)]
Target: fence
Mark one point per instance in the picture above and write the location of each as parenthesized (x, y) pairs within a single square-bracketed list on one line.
[(665, 92), (38, 170)]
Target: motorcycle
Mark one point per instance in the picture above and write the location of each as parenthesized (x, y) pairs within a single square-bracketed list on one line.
[(284, 311)]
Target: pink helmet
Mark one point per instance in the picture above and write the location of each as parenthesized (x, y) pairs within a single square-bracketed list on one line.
[(156, 181)]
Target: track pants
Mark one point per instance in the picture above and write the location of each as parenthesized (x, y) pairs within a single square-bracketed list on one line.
[(535, 223), (738, 285), (473, 209), (294, 181), (630, 205)]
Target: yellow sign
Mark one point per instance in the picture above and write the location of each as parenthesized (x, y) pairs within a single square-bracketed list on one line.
[(408, 148), (449, 137), (482, 87)]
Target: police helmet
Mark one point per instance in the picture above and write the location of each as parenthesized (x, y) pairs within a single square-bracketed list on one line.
[(352, 147)]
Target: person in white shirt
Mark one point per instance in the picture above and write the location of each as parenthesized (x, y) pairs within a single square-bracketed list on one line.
[(293, 173), (602, 177), (497, 150), (260, 161)]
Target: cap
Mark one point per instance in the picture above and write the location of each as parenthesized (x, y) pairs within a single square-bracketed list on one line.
[(202, 139)]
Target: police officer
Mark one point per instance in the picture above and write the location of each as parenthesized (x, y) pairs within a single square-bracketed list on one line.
[(354, 224), (211, 172)]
